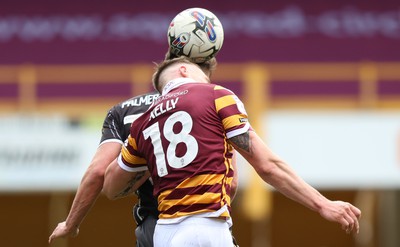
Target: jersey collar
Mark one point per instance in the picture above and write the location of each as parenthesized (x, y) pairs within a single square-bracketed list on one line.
[(176, 83)]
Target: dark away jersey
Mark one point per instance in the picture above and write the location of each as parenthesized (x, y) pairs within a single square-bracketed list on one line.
[(183, 139), (116, 128)]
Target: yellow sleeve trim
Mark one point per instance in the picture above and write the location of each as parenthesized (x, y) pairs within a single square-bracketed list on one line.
[(132, 159), (233, 121), (132, 142), (224, 102)]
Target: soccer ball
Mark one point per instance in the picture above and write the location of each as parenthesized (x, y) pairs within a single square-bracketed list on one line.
[(196, 33)]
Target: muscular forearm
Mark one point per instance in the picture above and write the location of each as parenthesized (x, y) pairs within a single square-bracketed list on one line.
[(276, 172), (87, 194), (92, 183), (283, 178), (88, 191), (235, 180), (119, 183)]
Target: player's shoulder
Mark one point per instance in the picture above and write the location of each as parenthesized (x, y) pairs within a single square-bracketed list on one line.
[(219, 90), (209, 86), (137, 104), (210, 89)]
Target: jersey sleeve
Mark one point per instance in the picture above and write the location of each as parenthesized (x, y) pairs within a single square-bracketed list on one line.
[(129, 159), (113, 128), (232, 112)]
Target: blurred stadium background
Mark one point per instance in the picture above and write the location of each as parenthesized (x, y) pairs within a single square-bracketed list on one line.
[(321, 81)]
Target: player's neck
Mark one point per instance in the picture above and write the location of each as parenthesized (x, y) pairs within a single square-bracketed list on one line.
[(176, 83)]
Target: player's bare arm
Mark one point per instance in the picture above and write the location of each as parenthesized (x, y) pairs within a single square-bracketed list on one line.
[(130, 185), (280, 175), (120, 183), (88, 191), (241, 142), (235, 180)]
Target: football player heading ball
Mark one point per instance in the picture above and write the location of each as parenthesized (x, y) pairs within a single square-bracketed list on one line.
[(196, 33)]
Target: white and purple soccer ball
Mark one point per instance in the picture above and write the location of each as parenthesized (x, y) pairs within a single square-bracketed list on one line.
[(196, 33)]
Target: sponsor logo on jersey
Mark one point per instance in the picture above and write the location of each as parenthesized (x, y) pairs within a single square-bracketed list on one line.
[(145, 100), (171, 95)]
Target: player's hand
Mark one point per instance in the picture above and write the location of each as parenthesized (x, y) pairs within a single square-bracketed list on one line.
[(63, 231), (343, 213)]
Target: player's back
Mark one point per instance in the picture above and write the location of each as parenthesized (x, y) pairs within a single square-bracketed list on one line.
[(183, 139)]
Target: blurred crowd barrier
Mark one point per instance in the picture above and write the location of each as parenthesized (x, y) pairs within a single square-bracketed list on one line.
[(80, 90)]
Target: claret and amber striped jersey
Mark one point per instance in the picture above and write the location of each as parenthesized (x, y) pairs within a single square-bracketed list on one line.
[(183, 139)]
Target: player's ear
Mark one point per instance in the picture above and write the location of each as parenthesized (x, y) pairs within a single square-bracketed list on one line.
[(183, 71)]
